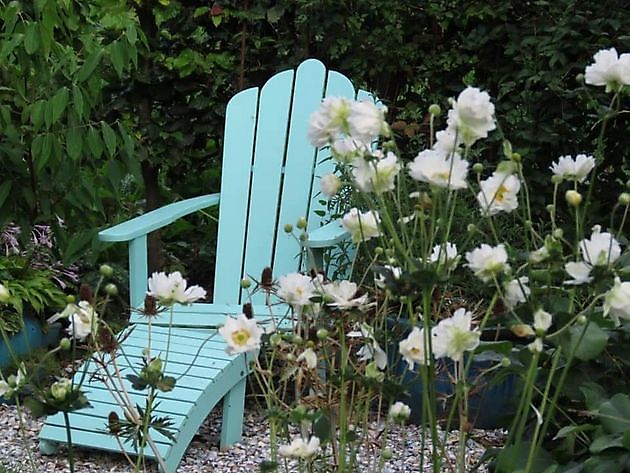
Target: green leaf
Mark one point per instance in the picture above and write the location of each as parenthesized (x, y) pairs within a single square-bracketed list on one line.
[(45, 153), (5, 188), (132, 34), (604, 442), (94, 142), (322, 427), (503, 347), (37, 114), (109, 136), (89, 65), (117, 56), (614, 414), (589, 346), (77, 100), (59, 103), (31, 38), (74, 142)]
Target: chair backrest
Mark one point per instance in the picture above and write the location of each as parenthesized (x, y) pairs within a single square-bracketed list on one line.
[(270, 174)]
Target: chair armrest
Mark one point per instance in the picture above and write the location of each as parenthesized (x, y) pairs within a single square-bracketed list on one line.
[(326, 236), (156, 219)]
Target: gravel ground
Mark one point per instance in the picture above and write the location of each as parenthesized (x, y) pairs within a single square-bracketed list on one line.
[(204, 455)]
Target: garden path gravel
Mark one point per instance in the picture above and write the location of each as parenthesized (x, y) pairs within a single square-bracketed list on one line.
[(204, 455)]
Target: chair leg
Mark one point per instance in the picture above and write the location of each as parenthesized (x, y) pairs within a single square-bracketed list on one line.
[(47, 447), (233, 410)]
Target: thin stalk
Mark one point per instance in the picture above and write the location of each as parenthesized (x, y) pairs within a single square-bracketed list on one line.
[(18, 407), (66, 420)]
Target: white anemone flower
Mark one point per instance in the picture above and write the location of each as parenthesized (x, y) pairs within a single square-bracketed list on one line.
[(542, 320), (499, 193), (241, 334), (601, 249), (579, 271), (539, 255), (399, 412), (377, 174), (329, 184), (300, 448), (367, 121), (472, 115), (329, 122), (296, 289), (168, 289), (341, 294), (371, 350), (83, 320), (487, 261), (617, 301), (573, 169), (447, 140), (310, 358), (362, 226), (453, 336), (445, 255), (515, 292), (412, 348), (609, 69), (440, 169), (348, 148)]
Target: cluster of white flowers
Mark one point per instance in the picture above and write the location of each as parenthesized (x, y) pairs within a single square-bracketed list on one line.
[(168, 289), (609, 69), (376, 173), (450, 338), (362, 226)]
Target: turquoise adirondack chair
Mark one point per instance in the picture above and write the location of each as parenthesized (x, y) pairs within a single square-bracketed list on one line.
[(270, 177)]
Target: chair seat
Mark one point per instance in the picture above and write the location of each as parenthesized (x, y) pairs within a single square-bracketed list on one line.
[(204, 372)]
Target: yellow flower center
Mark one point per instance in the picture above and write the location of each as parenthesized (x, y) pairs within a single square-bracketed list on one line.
[(500, 195), (441, 175), (240, 337)]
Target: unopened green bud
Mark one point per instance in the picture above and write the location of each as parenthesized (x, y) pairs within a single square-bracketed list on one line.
[(528, 224), (297, 339), (573, 198), (558, 233), (581, 320), (471, 228), (506, 167), (580, 78), (477, 168), (275, 339), (322, 334), (70, 299), (624, 198), (550, 208), (556, 179), (61, 389), (310, 344), (516, 157), (387, 454), (288, 228), (303, 236), (155, 365), (106, 270), (301, 223), (435, 110), (245, 283), (505, 362), (378, 250), (111, 289), (290, 357), (404, 299), (64, 343), (628, 184), (300, 410)]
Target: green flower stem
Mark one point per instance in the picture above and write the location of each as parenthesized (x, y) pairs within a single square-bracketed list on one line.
[(343, 425), (20, 414), (168, 340), (145, 428), (623, 222), (463, 415), (66, 420), (428, 382)]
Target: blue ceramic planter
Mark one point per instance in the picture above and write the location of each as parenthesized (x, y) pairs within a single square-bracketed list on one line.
[(28, 339)]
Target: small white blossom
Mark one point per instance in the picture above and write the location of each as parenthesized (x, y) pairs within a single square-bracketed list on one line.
[(573, 169), (83, 320), (453, 336), (395, 272), (168, 289), (300, 448), (329, 122), (436, 167), (371, 349), (296, 289), (346, 149), (362, 226), (515, 292), (367, 121), (447, 141), (329, 184), (310, 358), (61, 389), (445, 255), (539, 255), (412, 348), (609, 69), (499, 193), (487, 261), (376, 175), (542, 320), (341, 294), (579, 271), (617, 301), (536, 346), (399, 412), (472, 115), (241, 334), (601, 249)]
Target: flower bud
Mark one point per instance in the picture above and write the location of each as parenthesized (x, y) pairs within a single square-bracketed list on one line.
[(70, 299), (558, 233), (581, 320), (387, 454), (61, 389), (288, 228), (290, 357), (516, 157), (111, 289), (624, 198), (580, 78), (628, 184), (435, 110), (297, 339), (399, 412), (303, 236), (550, 208), (64, 343), (528, 224), (471, 228), (573, 198), (106, 270), (505, 362), (245, 283), (275, 339), (155, 366), (477, 168), (556, 179), (299, 410), (310, 344), (301, 223), (4, 294), (378, 250), (322, 334)]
